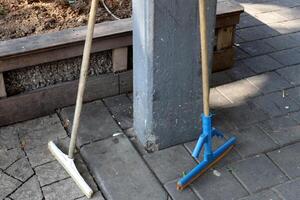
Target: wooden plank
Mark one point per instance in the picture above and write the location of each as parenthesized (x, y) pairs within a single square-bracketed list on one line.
[(63, 52), (44, 101), (126, 81), (228, 7), (225, 37), (228, 20), (223, 59), (64, 37), (120, 59), (2, 86)]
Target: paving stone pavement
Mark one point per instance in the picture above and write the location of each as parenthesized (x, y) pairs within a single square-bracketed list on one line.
[(258, 101)]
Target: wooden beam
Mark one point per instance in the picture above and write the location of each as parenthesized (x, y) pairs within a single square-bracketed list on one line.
[(120, 59), (2, 86)]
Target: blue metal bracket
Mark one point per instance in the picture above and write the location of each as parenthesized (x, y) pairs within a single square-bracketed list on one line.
[(210, 157)]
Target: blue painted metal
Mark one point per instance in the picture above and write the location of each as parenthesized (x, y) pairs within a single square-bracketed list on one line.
[(210, 156)]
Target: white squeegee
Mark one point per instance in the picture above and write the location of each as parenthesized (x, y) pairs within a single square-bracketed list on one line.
[(67, 161)]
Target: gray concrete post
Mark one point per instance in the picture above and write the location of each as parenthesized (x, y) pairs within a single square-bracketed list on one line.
[(167, 83)]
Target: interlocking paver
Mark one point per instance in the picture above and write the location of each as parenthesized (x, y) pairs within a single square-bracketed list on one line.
[(256, 32), (222, 186), (269, 82), (65, 189), (120, 171), (217, 100), (262, 63), (239, 71), (248, 21), (239, 53), (7, 185), (256, 48), (50, 172), (169, 164), (253, 140), (238, 90), (296, 116), (264, 195), (8, 157), (20, 170), (287, 57), (40, 133), (294, 93), (291, 74), (95, 122), (270, 17), (8, 138), (186, 194), (282, 42), (283, 130), (242, 115), (288, 159), (258, 173), (276, 104), (220, 78), (29, 191), (216, 142), (121, 108), (290, 190)]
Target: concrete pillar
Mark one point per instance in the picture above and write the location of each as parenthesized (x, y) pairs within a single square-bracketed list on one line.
[(167, 83)]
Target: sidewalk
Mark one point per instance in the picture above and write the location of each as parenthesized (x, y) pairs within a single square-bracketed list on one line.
[(258, 101)]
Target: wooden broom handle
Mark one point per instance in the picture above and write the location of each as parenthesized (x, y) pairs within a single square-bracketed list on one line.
[(83, 75), (204, 56)]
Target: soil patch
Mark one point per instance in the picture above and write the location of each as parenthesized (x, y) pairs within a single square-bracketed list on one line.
[(19, 18)]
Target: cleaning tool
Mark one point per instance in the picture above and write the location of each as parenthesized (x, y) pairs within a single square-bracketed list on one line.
[(210, 157), (67, 161)]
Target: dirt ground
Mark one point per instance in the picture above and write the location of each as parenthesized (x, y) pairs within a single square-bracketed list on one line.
[(19, 18)]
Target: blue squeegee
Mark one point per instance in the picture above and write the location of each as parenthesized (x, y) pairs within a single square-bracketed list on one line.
[(210, 157)]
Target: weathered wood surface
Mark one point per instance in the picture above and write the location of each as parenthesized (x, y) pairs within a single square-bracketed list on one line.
[(44, 101), (223, 59), (120, 59)]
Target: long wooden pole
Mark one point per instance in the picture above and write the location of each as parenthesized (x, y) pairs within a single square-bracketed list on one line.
[(204, 56), (83, 75)]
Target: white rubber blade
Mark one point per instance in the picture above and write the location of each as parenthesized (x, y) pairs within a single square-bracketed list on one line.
[(70, 167)]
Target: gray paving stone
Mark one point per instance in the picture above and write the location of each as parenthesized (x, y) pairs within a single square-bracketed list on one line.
[(262, 63), (269, 82), (50, 173), (7, 185), (288, 159), (170, 163), (20, 170), (276, 104), (294, 93), (40, 131), (290, 190), (238, 91), (291, 74), (290, 13), (41, 154), (239, 53), (258, 173), (95, 122), (256, 32), (8, 157), (96, 196), (253, 141), (65, 189), (186, 194), (248, 21), (256, 48), (239, 71), (8, 138), (242, 115), (270, 17), (264, 195), (120, 171), (296, 116), (287, 57), (283, 130), (216, 142), (29, 191), (122, 109), (217, 100), (220, 78), (211, 187), (282, 42)]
